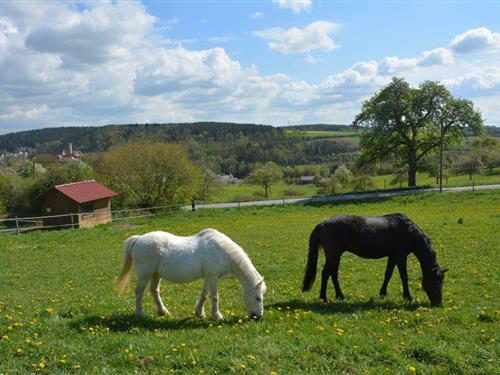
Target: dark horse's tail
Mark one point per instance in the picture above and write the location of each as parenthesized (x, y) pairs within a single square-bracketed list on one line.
[(312, 258)]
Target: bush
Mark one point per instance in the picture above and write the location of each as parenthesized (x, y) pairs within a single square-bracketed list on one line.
[(293, 193)]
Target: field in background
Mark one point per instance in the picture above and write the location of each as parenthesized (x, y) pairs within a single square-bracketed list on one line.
[(59, 312), (246, 192), (323, 133)]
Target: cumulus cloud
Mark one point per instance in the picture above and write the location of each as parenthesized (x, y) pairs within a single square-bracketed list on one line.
[(480, 81), (435, 57), (476, 40), (315, 36), (296, 6), (98, 35), (256, 15), (63, 64)]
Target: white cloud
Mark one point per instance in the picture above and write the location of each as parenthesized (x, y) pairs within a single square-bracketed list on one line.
[(476, 40), (311, 59), (62, 64), (221, 39), (256, 15), (395, 65), (315, 36), (104, 32), (296, 6), (478, 82)]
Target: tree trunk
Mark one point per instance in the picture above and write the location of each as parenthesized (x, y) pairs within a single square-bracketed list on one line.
[(412, 167)]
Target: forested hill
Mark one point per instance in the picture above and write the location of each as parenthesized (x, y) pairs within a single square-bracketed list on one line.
[(224, 147), (96, 139)]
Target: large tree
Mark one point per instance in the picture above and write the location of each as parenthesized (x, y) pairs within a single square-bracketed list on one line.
[(150, 173), (404, 124)]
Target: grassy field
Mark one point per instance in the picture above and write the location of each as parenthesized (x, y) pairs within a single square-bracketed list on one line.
[(323, 133), (245, 192), (59, 312)]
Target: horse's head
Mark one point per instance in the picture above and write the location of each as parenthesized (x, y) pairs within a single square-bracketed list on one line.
[(432, 283), (254, 300)]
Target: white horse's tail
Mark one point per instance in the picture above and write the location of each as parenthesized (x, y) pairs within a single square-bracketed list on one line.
[(123, 278)]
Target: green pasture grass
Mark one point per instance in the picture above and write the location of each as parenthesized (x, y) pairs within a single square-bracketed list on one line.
[(246, 192), (243, 191), (486, 177), (59, 312), (323, 133)]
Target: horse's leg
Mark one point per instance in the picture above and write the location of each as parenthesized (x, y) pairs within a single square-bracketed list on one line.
[(155, 291), (403, 273), (391, 263), (200, 305), (335, 276), (142, 283), (324, 281), (214, 295)]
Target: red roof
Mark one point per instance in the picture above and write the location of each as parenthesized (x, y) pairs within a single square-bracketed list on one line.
[(85, 191)]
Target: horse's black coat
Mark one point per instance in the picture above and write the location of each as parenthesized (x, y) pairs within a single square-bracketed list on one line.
[(394, 236)]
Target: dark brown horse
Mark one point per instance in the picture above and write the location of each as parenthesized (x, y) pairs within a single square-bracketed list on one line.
[(394, 236)]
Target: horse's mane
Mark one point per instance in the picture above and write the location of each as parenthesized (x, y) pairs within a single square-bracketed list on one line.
[(237, 255), (417, 234)]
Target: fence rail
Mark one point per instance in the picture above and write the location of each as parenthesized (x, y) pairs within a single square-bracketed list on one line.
[(29, 223)]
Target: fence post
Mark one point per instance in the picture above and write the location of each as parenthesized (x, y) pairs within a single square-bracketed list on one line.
[(72, 221), (238, 204), (283, 200), (472, 185), (193, 206), (17, 226)]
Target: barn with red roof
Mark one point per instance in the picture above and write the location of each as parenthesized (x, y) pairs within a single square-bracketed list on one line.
[(77, 205)]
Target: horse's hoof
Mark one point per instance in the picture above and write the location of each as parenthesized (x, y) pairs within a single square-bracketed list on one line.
[(218, 317), (322, 300), (200, 315), (383, 294), (164, 312), (340, 298)]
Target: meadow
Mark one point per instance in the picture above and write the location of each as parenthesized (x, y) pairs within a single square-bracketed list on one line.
[(246, 192), (59, 312)]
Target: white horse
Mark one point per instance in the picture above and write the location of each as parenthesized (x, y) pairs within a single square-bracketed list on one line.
[(208, 254)]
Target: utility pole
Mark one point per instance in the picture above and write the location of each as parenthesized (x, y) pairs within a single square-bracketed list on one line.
[(441, 159)]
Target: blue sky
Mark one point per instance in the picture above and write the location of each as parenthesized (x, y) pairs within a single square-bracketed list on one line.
[(275, 62)]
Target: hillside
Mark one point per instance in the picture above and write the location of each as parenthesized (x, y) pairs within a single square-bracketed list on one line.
[(225, 147)]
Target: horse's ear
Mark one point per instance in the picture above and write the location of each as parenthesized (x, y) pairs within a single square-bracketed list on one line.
[(260, 283)]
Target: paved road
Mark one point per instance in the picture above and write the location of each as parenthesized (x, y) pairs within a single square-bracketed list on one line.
[(339, 197)]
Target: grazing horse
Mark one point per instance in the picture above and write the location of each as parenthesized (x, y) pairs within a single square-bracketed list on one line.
[(208, 254), (394, 236)]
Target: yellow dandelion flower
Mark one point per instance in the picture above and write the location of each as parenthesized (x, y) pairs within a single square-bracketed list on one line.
[(19, 350), (412, 369), (63, 361), (41, 365), (49, 310), (242, 366), (77, 366), (193, 362)]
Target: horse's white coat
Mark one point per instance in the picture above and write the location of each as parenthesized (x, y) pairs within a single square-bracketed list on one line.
[(208, 254)]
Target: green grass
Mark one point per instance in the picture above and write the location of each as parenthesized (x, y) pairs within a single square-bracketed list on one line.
[(485, 178), (323, 133), (246, 192), (58, 309)]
